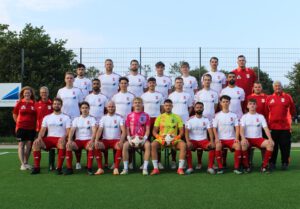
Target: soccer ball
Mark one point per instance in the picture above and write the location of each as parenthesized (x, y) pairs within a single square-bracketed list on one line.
[(169, 138), (136, 141)]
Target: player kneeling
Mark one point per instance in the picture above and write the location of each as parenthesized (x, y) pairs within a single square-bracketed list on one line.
[(196, 129), (112, 129), (251, 130), (58, 125), (138, 130), (85, 129), (168, 131)]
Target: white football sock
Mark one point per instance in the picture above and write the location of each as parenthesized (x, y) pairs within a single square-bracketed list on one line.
[(181, 163), (125, 165), (155, 165), (146, 162)]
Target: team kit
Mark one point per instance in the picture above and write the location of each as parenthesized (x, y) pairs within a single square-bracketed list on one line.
[(128, 113)]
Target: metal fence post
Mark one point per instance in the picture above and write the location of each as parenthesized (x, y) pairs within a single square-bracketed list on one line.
[(140, 60), (80, 55), (200, 62), (258, 62), (22, 64)]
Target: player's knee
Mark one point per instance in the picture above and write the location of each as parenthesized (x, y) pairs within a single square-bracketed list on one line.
[(154, 145)]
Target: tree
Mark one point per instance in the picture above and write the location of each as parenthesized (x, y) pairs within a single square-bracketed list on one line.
[(45, 62), (265, 80), (294, 85)]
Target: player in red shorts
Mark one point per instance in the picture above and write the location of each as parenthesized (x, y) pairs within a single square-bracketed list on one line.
[(196, 129), (43, 107), (226, 132), (57, 125), (252, 124), (84, 127), (112, 129)]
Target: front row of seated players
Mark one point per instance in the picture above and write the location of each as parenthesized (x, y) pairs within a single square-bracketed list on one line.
[(168, 131)]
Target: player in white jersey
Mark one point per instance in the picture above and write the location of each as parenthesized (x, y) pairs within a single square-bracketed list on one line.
[(236, 94), (163, 83), (218, 81), (57, 126), (113, 131), (226, 132), (190, 84), (252, 124), (109, 80), (84, 127), (71, 97), (137, 82), (182, 101), (81, 82), (196, 129), (208, 97), (96, 100), (123, 99)]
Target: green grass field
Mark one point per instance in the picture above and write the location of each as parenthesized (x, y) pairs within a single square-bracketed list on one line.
[(19, 189)]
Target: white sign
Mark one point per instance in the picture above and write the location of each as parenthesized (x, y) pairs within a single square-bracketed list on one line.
[(9, 94)]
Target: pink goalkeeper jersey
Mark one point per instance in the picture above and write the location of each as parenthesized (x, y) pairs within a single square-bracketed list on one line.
[(137, 123)]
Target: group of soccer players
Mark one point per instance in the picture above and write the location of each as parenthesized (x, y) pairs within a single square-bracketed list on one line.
[(130, 112)]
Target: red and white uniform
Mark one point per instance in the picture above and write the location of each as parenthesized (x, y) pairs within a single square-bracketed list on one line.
[(26, 113), (42, 109), (217, 82), (280, 108), (84, 84), (253, 124), (97, 104), (109, 84), (225, 124), (245, 79), (189, 84), (209, 98), (198, 128), (137, 84), (181, 102), (111, 126), (260, 103), (163, 85), (152, 103), (56, 124), (71, 98), (137, 123), (123, 103), (84, 127), (237, 96)]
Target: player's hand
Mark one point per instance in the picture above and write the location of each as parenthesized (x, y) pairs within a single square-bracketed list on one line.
[(211, 145), (189, 144), (236, 141), (120, 145), (90, 145)]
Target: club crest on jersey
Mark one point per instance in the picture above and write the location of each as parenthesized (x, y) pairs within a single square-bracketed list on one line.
[(248, 75), (113, 79), (272, 101), (127, 98), (23, 107), (60, 119), (115, 121), (238, 92), (231, 118), (73, 92), (238, 77), (32, 108), (204, 124), (282, 99), (164, 81), (88, 122), (142, 119), (49, 107), (218, 77), (257, 120)]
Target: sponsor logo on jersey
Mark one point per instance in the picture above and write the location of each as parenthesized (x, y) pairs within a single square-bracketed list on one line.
[(263, 100), (238, 77), (248, 75), (282, 99), (23, 107), (49, 107), (272, 101)]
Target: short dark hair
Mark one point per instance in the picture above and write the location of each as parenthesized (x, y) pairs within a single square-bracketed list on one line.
[(134, 61), (108, 60), (151, 79), (231, 73), (214, 58), (198, 103), (159, 64), (185, 64), (58, 100), (123, 79), (257, 82), (241, 56), (252, 100), (178, 78), (207, 75), (84, 103), (69, 73), (168, 101), (226, 97), (80, 65), (95, 79)]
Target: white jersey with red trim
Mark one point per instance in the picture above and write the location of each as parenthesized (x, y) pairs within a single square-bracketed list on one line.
[(109, 84), (237, 96), (209, 98), (84, 84), (198, 127), (181, 103), (218, 79), (189, 85), (71, 98), (84, 127), (163, 85), (152, 103), (97, 104), (137, 84), (225, 124), (111, 125), (56, 125), (253, 125), (123, 103)]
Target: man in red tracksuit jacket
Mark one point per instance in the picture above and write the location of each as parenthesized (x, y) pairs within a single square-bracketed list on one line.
[(281, 108)]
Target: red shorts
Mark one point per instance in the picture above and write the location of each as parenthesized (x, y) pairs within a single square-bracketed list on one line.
[(51, 142), (227, 143), (256, 142), (200, 144), (110, 143), (81, 144)]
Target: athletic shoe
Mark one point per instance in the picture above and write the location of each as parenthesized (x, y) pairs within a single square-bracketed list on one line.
[(28, 167), (90, 172), (180, 171), (142, 167), (35, 171), (124, 172), (116, 171), (198, 167), (220, 171), (59, 171), (23, 168), (237, 171), (173, 165), (155, 171), (78, 166), (211, 171), (145, 172), (130, 166), (69, 171), (189, 171), (100, 171), (265, 170), (284, 166), (247, 170), (112, 166), (160, 166)]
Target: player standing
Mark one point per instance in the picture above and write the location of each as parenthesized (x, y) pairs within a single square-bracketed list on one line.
[(43, 107), (190, 84), (163, 83), (137, 82), (81, 82)]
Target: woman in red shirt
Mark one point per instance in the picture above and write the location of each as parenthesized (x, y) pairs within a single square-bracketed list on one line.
[(24, 115)]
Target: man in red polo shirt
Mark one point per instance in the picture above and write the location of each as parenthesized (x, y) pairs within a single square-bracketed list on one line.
[(43, 107), (280, 107), (260, 98)]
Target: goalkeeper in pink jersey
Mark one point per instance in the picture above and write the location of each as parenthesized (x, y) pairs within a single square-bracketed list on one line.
[(138, 130)]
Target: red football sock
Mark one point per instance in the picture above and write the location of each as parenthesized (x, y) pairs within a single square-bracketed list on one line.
[(199, 156), (78, 156), (211, 157), (118, 158), (237, 158), (98, 155), (61, 157), (69, 159), (267, 157), (90, 159), (245, 155), (37, 158), (189, 158), (219, 158)]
